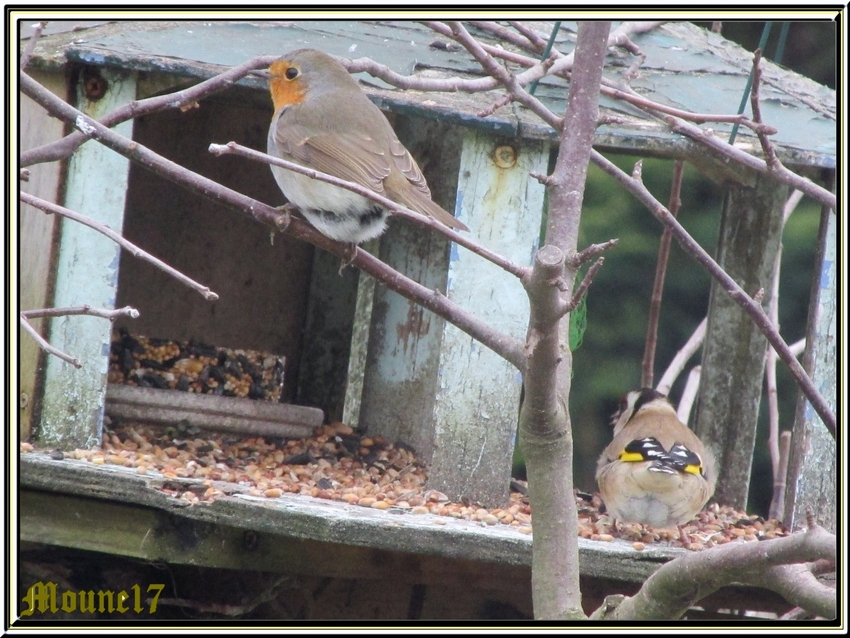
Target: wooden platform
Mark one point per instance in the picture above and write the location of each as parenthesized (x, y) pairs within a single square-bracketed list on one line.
[(113, 510)]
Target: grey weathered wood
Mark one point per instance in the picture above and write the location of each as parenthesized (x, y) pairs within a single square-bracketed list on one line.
[(87, 273), (37, 240), (734, 351), (226, 414), (812, 468), (478, 403), (400, 384), (293, 517), (150, 534), (359, 350)]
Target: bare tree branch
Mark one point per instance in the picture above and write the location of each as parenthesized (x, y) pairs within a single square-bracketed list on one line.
[(728, 284), (44, 345), (781, 174), (590, 252), (658, 285), (683, 410), (581, 289), (65, 147), (686, 580), (507, 347), (130, 247), (627, 94), (544, 426), (509, 81), (773, 163), (112, 315), (232, 148), (537, 42), (36, 34), (780, 477)]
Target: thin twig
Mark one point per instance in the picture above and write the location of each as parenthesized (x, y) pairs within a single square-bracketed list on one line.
[(506, 99), (590, 252), (496, 52), (154, 162), (780, 174), (504, 34), (627, 94), (681, 358), (505, 346), (777, 503), (44, 345), (581, 289), (791, 205), (37, 28), (232, 148), (499, 72), (770, 372), (103, 313), (683, 412), (766, 146), (753, 309), (770, 355), (538, 42), (130, 247), (647, 376), (625, 29)]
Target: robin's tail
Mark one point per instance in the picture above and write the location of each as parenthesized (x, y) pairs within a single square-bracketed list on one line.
[(421, 203)]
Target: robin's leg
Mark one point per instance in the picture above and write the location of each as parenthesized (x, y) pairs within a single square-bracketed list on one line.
[(287, 210), (350, 254)]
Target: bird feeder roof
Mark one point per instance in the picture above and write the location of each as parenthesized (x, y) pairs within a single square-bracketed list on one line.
[(686, 67)]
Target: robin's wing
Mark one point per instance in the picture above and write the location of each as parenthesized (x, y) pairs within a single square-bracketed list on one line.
[(350, 156), (418, 198), (404, 162)]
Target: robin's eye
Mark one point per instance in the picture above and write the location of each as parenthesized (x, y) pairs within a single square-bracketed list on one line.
[(291, 73)]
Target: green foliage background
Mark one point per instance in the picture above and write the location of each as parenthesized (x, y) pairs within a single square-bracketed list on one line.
[(608, 362)]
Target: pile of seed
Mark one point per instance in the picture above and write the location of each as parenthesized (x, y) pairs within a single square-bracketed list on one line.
[(339, 464), (714, 525), (194, 367)]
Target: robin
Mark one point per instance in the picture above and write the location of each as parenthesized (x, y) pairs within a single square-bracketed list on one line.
[(323, 120), (656, 471)]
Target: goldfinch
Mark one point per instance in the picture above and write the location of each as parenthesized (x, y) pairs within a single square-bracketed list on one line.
[(655, 471)]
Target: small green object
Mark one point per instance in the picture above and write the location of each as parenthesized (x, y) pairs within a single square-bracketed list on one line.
[(578, 322)]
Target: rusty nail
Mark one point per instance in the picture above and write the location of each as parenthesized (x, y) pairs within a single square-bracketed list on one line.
[(504, 156)]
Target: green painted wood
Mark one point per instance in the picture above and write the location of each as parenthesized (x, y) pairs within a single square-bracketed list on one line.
[(686, 67), (87, 273), (478, 401), (401, 374), (359, 350)]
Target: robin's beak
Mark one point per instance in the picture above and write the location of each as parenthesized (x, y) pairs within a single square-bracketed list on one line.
[(263, 73)]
